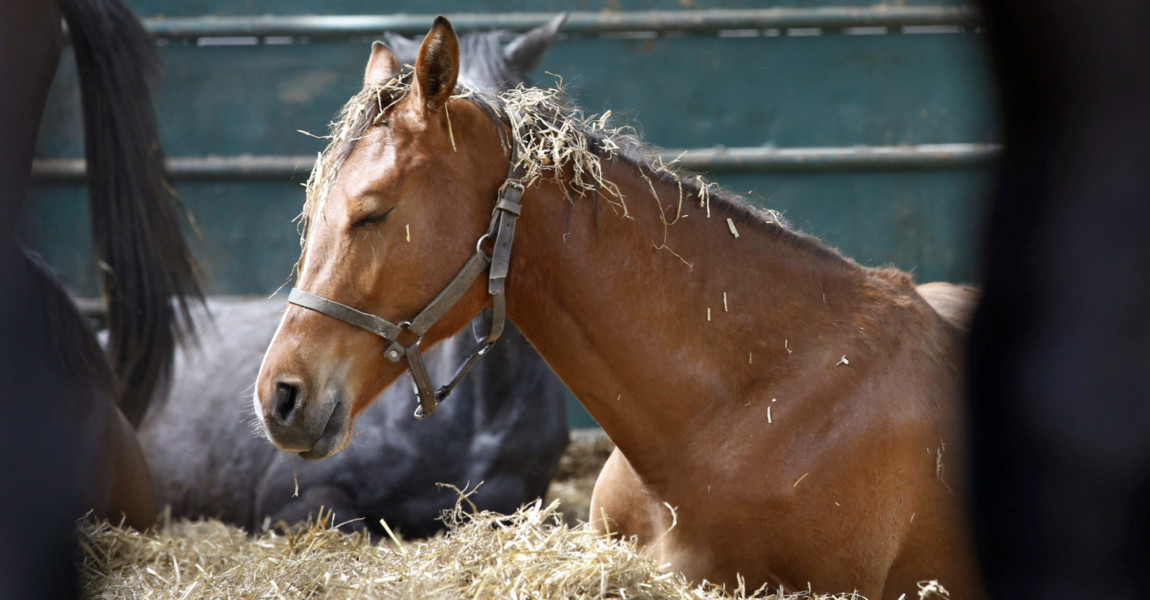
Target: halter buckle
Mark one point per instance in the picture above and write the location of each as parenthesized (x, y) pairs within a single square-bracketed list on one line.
[(515, 183)]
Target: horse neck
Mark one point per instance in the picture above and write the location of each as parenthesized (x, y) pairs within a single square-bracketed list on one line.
[(654, 326)]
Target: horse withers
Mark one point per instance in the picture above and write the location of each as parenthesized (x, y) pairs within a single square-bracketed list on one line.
[(782, 414)]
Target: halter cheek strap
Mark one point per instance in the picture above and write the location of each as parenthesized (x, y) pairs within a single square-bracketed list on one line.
[(502, 229)]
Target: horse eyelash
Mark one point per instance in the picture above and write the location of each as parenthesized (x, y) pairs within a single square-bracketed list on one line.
[(376, 218)]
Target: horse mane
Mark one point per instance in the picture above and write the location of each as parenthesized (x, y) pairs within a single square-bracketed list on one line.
[(350, 124), (555, 142)]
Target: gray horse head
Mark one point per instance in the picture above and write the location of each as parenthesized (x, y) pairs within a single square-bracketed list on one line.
[(486, 65)]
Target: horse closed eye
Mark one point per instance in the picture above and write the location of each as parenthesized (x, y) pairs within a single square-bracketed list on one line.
[(372, 219)]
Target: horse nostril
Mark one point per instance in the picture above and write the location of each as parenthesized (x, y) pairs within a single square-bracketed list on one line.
[(286, 401)]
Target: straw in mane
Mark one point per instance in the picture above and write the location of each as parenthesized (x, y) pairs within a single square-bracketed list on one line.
[(555, 142)]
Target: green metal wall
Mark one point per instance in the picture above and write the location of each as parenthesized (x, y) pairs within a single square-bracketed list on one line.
[(787, 89), (195, 8)]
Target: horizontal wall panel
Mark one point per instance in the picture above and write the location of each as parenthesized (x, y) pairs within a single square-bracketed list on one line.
[(227, 100), (812, 91), (447, 7), (759, 159), (824, 90), (926, 223), (248, 243), (726, 21), (921, 221)]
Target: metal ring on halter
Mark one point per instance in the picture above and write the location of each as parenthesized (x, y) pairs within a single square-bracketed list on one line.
[(479, 244), (406, 326)]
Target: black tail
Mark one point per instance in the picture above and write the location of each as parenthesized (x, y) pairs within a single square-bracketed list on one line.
[(149, 275)]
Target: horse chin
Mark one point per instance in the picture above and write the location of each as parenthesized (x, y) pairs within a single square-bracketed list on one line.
[(335, 437)]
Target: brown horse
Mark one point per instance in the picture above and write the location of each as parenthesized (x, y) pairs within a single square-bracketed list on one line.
[(781, 413)]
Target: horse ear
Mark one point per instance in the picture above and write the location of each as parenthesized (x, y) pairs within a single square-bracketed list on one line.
[(525, 51), (437, 65), (405, 48), (382, 66)]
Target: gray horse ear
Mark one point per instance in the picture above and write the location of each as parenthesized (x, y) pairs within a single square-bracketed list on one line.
[(526, 51), (437, 65), (405, 48), (382, 66)]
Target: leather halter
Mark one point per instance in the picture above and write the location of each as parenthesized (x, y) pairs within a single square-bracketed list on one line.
[(502, 227)]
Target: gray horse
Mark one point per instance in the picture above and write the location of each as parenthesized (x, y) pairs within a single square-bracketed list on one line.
[(504, 425)]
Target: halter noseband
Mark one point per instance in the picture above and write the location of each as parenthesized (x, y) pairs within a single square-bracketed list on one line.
[(502, 227)]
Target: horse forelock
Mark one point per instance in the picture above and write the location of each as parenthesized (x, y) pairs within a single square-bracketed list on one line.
[(368, 107), (350, 124)]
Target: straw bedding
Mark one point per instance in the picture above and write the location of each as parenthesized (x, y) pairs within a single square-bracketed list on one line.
[(533, 553), (530, 554)]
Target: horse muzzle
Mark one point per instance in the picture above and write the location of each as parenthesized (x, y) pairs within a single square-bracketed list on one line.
[(313, 427)]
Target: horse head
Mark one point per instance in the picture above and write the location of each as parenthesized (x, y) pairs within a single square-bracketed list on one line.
[(395, 206)]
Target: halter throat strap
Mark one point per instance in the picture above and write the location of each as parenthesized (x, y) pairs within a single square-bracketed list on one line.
[(502, 231)]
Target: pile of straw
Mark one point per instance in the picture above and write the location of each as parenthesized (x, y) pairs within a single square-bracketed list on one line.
[(530, 554)]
